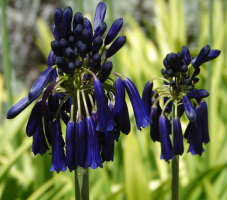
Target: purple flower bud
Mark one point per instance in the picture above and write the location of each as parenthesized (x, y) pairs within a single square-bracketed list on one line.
[(70, 146), (93, 156), (115, 47), (54, 31), (166, 64), (178, 137), (100, 30), (95, 59), (39, 144), (62, 64), (126, 127), (195, 135), (81, 144), (88, 26), (202, 56), (86, 36), (186, 54), (189, 110), (58, 156), (119, 108), (146, 97), (154, 126), (56, 47), (58, 21), (66, 22), (197, 94), (205, 130), (166, 146), (97, 44), (78, 19), (114, 30), (39, 85), (212, 55), (99, 14), (107, 146), (141, 116), (51, 59), (33, 119), (105, 71), (18, 107)]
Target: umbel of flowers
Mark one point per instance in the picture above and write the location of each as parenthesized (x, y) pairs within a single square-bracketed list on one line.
[(77, 89), (180, 77)]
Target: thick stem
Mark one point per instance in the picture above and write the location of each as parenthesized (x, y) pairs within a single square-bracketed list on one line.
[(174, 165)]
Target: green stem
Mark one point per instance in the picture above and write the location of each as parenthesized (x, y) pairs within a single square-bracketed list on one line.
[(174, 165), (6, 61)]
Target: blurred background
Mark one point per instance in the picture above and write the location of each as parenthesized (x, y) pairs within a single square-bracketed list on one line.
[(153, 28)]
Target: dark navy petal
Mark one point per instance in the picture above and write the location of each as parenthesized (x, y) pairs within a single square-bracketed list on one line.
[(167, 152), (78, 19), (195, 137), (54, 31), (107, 146), (114, 30), (81, 144), (99, 14), (105, 71), (104, 122), (18, 107), (58, 21), (154, 126), (39, 144), (100, 30), (202, 56), (178, 137), (141, 116), (53, 103), (97, 44), (212, 55), (146, 97), (58, 155), (115, 47), (87, 39), (126, 126), (51, 59), (197, 94), (66, 22), (39, 85), (88, 26), (205, 130), (93, 156), (189, 110), (119, 107), (70, 145), (33, 119), (186, 54)]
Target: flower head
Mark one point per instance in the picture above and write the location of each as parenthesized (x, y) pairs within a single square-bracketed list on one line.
[(179, 92)]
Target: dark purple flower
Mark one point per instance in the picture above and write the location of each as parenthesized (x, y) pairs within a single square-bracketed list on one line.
[(212, 55), (70, 145), (154, 126), (81, 144), (186, 54), (114, 30), (100, 30), (197, 94), (166, 146), (39, 85), (105, 71), (54, 31), (189, 110), (93, 156), (88, 26), (178, 137), (39, 144), (34, 119), (99, 14), (58, 21), (202, 56), (18, 107), (107, 146), (104, 120), (115, 47), (58, 156), (205, 130), (141, 116), (66, 22), (147, 95)]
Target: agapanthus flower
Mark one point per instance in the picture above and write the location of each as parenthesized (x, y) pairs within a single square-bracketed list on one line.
[(180, 76), (76, 88)]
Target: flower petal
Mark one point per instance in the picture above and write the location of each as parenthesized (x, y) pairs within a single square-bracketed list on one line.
[(189, 110), (146, 97), (178, 137), (115, 47), (186, 54), (197, 94), (99, 14)]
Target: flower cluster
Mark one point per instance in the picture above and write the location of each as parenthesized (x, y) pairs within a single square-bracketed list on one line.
[(77, 89), (180, 95)]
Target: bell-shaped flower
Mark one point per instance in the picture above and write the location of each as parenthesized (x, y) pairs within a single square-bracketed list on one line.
[(189, 110), (154, 126), (141, 116), (178, 137), (81, 144), (93, 159), (167, 152), (204, 115), (147, 95), (58, 155), (107, 145), (18, 107), (126, 126)]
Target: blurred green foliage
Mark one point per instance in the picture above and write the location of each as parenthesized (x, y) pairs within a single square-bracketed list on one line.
[(137, 171)]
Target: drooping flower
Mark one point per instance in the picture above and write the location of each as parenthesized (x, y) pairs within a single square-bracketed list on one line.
[(179, 93)]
